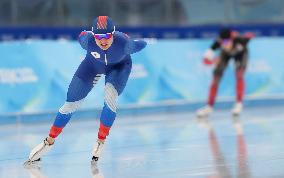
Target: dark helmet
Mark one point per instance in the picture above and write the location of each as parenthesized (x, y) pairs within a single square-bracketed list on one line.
[(102, 25), (225, 33)]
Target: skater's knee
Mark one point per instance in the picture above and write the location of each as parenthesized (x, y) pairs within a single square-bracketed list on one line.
[(218, 73), (111, 95), (70, 107), (240, 73)]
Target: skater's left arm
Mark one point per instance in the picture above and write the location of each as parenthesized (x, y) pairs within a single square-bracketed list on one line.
[(133, 46), (244, 39)]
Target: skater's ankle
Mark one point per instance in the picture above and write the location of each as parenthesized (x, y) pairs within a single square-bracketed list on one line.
[(50, 140), (210, 105), (101, 140)]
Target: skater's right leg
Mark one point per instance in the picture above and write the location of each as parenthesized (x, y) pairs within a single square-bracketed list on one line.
[(206, 110), (77, 91), (213, 90), (115, 82)]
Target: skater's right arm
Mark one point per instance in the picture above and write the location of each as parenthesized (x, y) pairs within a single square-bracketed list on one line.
[(84, 38), (208, 57)]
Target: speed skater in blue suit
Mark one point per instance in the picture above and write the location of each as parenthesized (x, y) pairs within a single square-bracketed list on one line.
[(109, 54)]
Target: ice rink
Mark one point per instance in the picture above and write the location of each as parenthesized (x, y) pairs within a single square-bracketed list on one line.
[(164, 145)]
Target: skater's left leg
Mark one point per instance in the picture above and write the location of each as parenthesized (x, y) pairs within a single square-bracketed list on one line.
[(109, 111), (107, 118), (240, 85), (240, 66), (115, 80)]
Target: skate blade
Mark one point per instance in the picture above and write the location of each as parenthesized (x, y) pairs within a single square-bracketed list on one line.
[(94, 161)]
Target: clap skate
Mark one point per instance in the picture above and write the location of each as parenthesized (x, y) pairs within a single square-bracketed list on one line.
[(98, 148), (237, 109), (205, 111), (37, 153), (36, 172)]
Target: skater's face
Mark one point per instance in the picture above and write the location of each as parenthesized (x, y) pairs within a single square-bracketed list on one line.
[(227, 44), (104, 41)]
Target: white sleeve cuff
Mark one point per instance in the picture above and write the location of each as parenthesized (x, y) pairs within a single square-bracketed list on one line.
[(209, 54)]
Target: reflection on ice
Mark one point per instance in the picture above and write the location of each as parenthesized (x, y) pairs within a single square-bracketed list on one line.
[(222, 167), (35, 172), (96, 173)]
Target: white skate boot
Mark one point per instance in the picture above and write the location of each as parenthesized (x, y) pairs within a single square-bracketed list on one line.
[(98, 148), (237, 109), (37, 153), (205, 111)]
